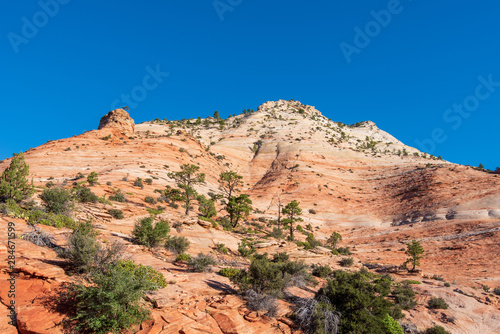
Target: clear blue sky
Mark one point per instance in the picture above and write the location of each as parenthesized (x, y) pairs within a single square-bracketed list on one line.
[(61, 72)]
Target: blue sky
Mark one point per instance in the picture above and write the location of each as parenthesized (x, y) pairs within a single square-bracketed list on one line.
[(403, 65)]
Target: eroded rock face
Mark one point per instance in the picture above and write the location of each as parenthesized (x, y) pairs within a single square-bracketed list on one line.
[(119, 119)]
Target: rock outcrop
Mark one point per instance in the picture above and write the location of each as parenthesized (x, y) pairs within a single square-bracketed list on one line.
[(118, 119)]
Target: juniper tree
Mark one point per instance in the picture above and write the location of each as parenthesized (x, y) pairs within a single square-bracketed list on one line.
[(414, 251), (229, 183), (292, 211), (238, 207), (13, 182), (186, 178)]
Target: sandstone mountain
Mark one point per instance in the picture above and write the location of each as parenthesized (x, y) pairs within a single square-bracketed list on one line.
[(355, 179)]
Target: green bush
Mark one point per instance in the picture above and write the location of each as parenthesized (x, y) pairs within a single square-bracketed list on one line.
[(404, 296), (322, 271), (155, 278), (496, 291), (436, 330), (201, 262), (85, 254), (84, 195), (183, 257), (50, 219), (116, 213), (245, 249), (392, 326), (177, 244), (311, 240), (138, 183), (112, 302), (92, 178), (148, 235), (270, 278), (344, 251), (263, 277), (150, 200), (148, 181), (411, 281), (347, 262), (118, 196), (57, 200), (361, 297), (276, 233), (221, 248), (437, 303), (281, 257), (228, 272)]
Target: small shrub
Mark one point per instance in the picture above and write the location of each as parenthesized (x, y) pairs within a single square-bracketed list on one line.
[(347, 262), (244, 249), (411, 281), (92, 179), (438, 277), (436, 330), (155, 278), (496, 291), (344, 251), (118, 196), (177, 244), (437, 303), (404, 296), (261, 302), (392, 326), (281, 257), (322, 271), (148, 235), (39, 237), (116, 213), (85, 254), (446, 284), (84, 195), (277, 233), (138, 183), (228, 272), (315, 316), (148, 181), (57, 200), (311, 240), (201, 263), (150, 200), (112, 302), (221, 248), (183, 257)]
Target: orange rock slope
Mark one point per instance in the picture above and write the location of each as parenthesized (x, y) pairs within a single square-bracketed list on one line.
[(358, 180)]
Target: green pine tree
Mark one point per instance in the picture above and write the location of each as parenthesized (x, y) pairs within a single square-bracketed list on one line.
[(13, 182)]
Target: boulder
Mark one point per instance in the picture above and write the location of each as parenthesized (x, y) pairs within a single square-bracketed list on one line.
[(118, 119)]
